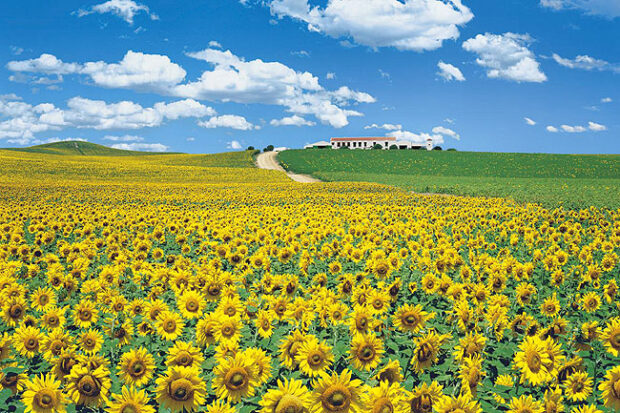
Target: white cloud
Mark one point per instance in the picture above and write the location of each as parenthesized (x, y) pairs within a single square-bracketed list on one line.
[(9, 97), (585, 62), (606, 100), (450, 72), (592, 126), (385, 75), (184, 109), (596, 127), (24, 120), (139, 71), (301, 53), (291, 121), (125, 9), (506, 56), (234, 145), (440, 130), (529, 121), (125, 138), (417, 137), (330, 76), (228, 121), (386, 126), (404, 24), (190, 139), (215, 44), (606, 8), (147, 147), (16, 51)]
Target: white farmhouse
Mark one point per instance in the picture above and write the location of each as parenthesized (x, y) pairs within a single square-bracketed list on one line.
[(384, 141)]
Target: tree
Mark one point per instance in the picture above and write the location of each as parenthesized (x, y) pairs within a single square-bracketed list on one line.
[(393, 147), (451, 149), (344, 147), (377, 146), (269, 148), (250, 148), (437, 148)]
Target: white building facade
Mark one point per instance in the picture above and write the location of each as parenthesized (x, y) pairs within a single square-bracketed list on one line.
[(384, 141)]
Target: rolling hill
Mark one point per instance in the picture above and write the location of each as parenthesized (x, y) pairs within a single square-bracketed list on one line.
[(79, 148)]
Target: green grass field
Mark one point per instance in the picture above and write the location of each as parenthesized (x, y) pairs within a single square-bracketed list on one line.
[(572, 181)]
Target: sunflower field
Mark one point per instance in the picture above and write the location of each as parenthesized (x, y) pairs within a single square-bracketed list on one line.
[(139, 285)]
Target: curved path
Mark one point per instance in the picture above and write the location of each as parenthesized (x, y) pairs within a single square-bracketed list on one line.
[(267, 160)]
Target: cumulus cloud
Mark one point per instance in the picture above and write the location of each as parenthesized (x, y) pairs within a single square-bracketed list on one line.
[(450, 72), (20, 120), (446, 132), (233, 145), (125, 9), (404, 24), (592, 126), (125, 138), (291, 121), (506, 56), (386, 126), (330, 76), (529, 121), (147, 147), (417, 137), (585, 62), (232, 79), (228, 121), (606, 100), (215, 44), (606, 8)]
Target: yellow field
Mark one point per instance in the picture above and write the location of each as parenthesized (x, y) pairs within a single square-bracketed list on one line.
[(165, 283)]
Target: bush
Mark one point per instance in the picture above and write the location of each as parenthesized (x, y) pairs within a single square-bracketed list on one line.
[(250, 148), (344, 147), (451, 149), (377, 146), (269, 148), (437, 148), (393, 147)]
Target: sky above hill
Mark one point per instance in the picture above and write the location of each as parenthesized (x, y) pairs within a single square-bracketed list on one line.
[(209, 76)]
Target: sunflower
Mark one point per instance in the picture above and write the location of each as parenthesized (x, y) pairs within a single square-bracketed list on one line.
[(120, 330), (471, 373), (366, 351), (90, 341), (54, 344), (27, 341), (586, 409), (426, 350), (550, 306), (88, 387), (525, 404), (221, 406), (289, 347), (13, 310), (411, 319), (43, 298), (610, 388), (462, 403), (43, 395), (227, 329), (391, 372), (552, 402), (337, 393), (191, 304), (136, 367), (470, 345), (314, 357), (235, 378), (53, 317), (360, 320), (130, 400), (590, 302), (578, 386), (386, 397), (184, 354), (424, 397), (263, 323), (64, 363), (611, 336), (169, 325), (291, 396), (262, 362), (181, 389), (533, 360), (85, 314), (204, 330)]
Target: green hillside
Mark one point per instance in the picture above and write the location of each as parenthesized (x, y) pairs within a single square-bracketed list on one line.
[(572, 181), (78, 148)]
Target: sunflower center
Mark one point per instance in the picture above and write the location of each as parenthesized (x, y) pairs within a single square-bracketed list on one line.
[(534, 362), (410, 320), (387, 375), (89, 386), (44, 299), (9, 380), (366, 353), (227, 331), (362, 323), (170, 326), (237, 379), (425, 352), (192, 306), (137, 368), (56, 347), (130, 408), (66, 364), (315, 359), (45, 399), (377, 304), (184, 359), (422, 404), (383, 405), (16, 311), (289, 404), (615, 340), (615, 388), (52, 321), (31, 343), (181, 390), (336, 399)]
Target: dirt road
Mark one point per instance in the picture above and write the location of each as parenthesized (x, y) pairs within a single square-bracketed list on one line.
[(267, 160)]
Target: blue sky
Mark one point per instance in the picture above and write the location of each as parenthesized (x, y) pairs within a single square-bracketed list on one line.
[(202, 77)]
